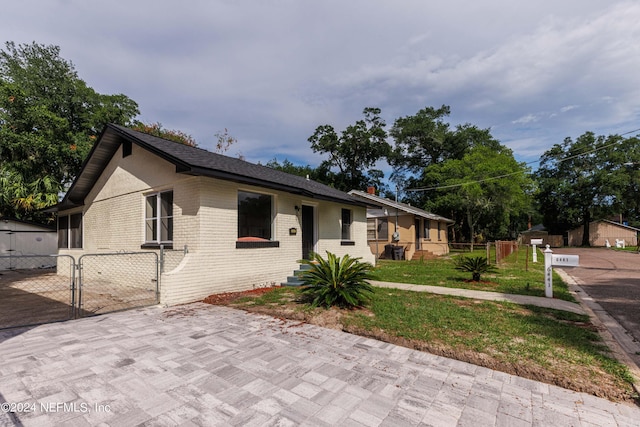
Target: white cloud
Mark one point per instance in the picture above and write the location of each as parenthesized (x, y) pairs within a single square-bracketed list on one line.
[(271, 71)]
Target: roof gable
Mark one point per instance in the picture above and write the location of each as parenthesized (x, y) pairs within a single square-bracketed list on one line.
[(192, 161), (381, 201)]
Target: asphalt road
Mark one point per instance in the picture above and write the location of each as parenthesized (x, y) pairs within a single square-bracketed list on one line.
[(612, 279)]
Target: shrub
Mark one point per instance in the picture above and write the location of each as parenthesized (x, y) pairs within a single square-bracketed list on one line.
[(475, 265), (337, 281)]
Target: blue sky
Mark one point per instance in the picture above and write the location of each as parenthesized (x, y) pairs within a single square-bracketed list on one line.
[(271, 71)]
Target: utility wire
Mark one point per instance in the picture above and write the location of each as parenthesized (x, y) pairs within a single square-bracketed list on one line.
[(516, 173)]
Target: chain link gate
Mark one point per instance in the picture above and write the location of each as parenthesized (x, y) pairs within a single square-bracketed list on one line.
[(117, 281), (36, 289)]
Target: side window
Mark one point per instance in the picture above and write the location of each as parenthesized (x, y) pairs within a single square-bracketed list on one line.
[(377, 229), (255, 216), (63, 232), (70, 231), (158, 218), (346, 224), (427, 229)]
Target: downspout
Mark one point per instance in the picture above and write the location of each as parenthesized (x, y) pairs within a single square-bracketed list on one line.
[(396, 235)]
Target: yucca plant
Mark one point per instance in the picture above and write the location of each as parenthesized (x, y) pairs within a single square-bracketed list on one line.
[(475, 265), (337, 281)]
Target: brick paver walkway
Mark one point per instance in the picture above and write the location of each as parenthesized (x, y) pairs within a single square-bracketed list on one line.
[(199, 364)]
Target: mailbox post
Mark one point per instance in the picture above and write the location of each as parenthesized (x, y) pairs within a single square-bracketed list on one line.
[(560, 260), (534, 243), (548, 273)]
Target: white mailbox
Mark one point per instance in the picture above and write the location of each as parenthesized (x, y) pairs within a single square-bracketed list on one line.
[(536, 242), (565, 260)]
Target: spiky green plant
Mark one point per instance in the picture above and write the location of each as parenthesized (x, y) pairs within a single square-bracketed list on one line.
[(342, 282), (477, 266)]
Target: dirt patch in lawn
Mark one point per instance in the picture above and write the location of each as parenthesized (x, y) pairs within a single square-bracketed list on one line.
[(559, 372)]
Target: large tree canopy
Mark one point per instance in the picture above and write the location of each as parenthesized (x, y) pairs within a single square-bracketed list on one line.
[(593, 177), (465, 174), (486, 192), (358, 148), (49, 119)]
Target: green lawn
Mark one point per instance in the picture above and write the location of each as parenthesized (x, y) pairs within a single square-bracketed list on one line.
[(514, 275)]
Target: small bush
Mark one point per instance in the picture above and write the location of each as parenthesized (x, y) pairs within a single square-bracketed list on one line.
[(337, 281), (475, 265)]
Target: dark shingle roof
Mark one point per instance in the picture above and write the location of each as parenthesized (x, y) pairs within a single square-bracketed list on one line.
[(192, 161)]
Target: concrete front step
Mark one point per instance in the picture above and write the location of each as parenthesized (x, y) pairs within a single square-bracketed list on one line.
[(295, 279)]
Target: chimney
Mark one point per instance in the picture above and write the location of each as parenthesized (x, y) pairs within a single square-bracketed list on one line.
[(371, 190)]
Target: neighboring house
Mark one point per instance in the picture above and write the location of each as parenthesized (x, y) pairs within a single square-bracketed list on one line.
[(418, 232), (19, 237), (603, 231), (540, 232), (243, 225)]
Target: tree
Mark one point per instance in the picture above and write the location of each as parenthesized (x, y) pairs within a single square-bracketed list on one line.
[(484, 192), (49, 119), (358, 148), (426, 139), (156, 129), (590, 178), (225, 141), (422, 139), (320, 174)]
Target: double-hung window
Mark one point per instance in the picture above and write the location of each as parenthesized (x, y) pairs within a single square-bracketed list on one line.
[(377, 228), (427, 229), (70, 231), (158, 218)]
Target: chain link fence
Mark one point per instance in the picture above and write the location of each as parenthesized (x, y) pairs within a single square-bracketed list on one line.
[(117, 281), (36, 289)]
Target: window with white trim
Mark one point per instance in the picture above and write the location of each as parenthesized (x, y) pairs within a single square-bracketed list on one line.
[(377, 229), (158, 218)]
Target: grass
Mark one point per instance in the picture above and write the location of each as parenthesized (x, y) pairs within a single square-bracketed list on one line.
[(514, 275), (627, 249)]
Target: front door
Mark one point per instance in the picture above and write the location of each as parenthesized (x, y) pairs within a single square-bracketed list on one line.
[(417, 226), (308, 230)]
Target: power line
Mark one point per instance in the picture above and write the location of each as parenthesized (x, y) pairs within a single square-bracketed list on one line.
[(516, 173)]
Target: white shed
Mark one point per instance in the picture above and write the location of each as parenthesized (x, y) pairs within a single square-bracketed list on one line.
[(26, 238)]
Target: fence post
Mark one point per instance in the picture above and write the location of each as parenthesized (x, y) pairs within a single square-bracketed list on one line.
[(161, 259), (548, 273)]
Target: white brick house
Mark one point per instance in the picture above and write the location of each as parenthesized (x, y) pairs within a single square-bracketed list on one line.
[(244, 225)]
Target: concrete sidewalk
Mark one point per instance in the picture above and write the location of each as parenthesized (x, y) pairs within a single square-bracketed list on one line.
[(557, 304), (200, 364)]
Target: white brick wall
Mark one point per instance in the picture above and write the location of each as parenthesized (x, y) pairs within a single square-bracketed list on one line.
[(205, 220)]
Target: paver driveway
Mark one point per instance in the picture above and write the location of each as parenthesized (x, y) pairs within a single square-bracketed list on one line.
[(199, 364)]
